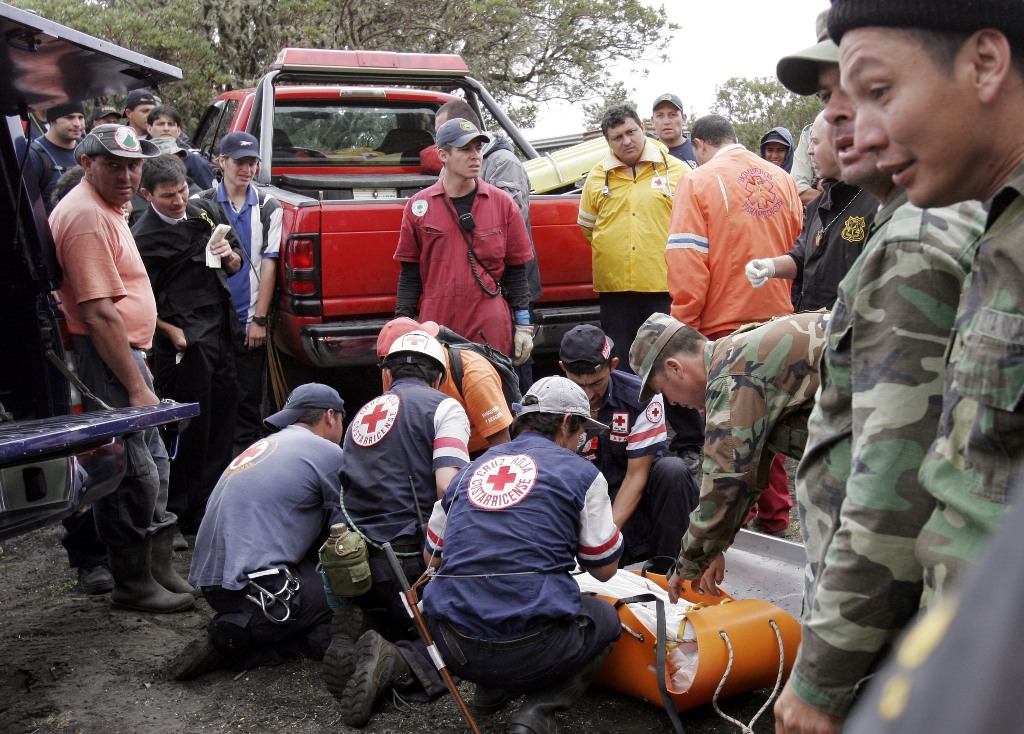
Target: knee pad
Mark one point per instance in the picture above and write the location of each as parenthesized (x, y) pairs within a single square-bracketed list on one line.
[(229, 637)]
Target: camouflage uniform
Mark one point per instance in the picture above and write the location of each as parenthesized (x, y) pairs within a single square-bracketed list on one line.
[(978, 454), (881, 383), (761, 385)]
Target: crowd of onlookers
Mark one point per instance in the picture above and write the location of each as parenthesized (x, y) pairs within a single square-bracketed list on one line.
[(850, 300)]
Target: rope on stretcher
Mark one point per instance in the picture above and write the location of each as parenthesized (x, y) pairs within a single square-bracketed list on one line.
[(749, 728)]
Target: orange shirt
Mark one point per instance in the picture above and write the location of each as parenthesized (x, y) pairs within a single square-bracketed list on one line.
[(483, 399), (734, 208), (99, 258)]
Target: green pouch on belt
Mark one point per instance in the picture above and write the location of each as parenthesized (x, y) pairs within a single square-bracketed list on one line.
[(345, 563)]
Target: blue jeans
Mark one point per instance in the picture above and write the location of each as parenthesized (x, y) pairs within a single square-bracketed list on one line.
[(547, 655), (138, 507)]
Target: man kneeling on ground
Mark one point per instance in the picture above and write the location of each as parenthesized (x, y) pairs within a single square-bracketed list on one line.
[(502, 607), (256, 551), (652, 494)]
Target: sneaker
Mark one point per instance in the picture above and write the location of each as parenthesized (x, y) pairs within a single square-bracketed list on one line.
[(178, 541), (199, 658), (378, 666), (347, 625), (96, 580)]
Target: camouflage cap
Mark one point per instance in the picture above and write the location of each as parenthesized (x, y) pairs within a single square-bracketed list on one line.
[(651, 338)]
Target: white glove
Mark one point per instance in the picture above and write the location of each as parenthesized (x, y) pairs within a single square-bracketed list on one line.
[(523, 343), (759, 271)]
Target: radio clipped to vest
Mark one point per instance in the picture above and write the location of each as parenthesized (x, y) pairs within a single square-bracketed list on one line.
[(345, 563)]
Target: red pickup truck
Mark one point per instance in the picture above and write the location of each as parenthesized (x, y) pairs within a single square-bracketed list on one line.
[(342, 132)]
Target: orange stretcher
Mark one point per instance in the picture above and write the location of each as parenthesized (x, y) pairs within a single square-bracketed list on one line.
[(731, 646)]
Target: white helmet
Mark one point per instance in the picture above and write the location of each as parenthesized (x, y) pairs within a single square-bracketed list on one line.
[(418, 342)]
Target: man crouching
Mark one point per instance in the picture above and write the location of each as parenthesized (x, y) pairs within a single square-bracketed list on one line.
[(255, 556), (502, 607)]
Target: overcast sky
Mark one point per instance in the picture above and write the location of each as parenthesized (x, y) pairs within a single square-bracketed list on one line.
[(746, 39)]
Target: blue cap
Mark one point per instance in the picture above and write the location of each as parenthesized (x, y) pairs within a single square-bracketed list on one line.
[(457, 132), (306, 397), (240, 145)]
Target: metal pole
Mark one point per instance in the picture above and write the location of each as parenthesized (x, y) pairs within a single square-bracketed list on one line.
[(409, 600)]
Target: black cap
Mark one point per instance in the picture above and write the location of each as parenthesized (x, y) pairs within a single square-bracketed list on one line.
[(671, 99), (955, 16), (773, 136), (62, 110), (586, 343), (139, 96), (101, 111)]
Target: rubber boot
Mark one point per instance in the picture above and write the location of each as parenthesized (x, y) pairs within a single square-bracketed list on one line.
[(163, 568), (134, 585), (536, 715)]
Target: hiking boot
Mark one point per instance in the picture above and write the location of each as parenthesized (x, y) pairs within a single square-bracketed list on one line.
[(96, 580), (379, 666), (757, 527), (199, 658), (488, 701), (347, 625)]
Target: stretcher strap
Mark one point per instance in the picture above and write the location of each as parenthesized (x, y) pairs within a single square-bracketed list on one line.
[(661, 662)]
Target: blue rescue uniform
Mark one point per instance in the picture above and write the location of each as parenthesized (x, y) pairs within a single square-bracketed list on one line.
[(510, 528)]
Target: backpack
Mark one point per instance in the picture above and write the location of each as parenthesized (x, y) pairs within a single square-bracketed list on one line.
[(457, 344), (47, 165)]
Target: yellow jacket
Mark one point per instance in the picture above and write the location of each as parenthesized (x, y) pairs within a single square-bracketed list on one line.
[(627, 228)]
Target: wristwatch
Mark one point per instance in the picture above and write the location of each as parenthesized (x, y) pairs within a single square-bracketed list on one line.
[(259, 320)]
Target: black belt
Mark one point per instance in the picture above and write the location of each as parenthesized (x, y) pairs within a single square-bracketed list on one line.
[(524, 641)]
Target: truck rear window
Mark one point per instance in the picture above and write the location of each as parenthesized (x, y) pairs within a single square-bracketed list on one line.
[(339, 133)]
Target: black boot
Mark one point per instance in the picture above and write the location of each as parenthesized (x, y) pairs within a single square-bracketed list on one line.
[(95, 580), (537, 713), (347, 625), (379, 666), (134, 585), (163, 568)]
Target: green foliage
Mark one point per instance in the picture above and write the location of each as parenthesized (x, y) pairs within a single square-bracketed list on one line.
[(594, 111), (756, 105), (526, 52)]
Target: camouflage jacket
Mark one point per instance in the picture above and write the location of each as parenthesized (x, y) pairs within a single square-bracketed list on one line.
[(761, 385), (978, 454), (881, 384)]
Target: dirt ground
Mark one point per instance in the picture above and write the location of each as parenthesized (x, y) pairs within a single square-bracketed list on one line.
[(73, 665)]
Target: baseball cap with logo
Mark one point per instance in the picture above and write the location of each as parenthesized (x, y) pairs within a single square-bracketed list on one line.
[(306, 397), (240, 145), (586, 344), (101, 111), (138, 97), (457, 132), (558, 395), (671, 99), (400, 327), (118, 140), (651, 338)]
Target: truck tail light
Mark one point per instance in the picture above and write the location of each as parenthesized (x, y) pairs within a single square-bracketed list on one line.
[(302, 265), (301, 254)]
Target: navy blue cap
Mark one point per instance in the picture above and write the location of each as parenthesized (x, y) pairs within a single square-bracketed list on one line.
[(306, 397), (457, 132), (588, 344), (240, 145)]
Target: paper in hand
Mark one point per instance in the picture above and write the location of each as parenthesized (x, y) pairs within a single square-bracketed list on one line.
[(221, 231)]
